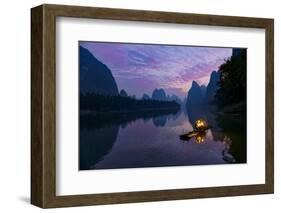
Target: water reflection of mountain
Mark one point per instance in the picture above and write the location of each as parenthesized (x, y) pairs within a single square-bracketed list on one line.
[(177, 115), (101, 120), (235, 129), (160, 121), (94, 145), (98, 132)]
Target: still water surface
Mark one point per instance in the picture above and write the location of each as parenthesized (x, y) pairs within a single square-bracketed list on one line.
[(151, 139)]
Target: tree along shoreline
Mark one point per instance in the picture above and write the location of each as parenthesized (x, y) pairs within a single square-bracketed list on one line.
[(168, 109), (96, 103), (232, 92)]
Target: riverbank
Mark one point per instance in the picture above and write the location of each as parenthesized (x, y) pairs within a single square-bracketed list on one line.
[(138, 111), (106, 103), (239, 109)]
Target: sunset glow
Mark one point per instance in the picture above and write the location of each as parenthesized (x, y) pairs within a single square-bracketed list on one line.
[(140, 68)]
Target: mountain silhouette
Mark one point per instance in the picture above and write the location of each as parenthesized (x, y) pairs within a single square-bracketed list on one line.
[(212, 86), (123, 93), (145, 96), (203, 88), (159, 94), (195, 95), (95, 77)]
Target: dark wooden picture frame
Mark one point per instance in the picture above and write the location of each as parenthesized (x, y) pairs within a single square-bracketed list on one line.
[(43, 105)]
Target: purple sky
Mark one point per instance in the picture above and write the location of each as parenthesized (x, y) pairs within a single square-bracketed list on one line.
[(139, 68)]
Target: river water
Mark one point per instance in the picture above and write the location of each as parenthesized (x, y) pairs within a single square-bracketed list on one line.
[(135, 140)]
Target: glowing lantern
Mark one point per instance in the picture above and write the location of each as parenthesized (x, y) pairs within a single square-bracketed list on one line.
[(201, 125), (199, 132)]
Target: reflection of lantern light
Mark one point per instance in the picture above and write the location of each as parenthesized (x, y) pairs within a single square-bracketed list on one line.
[(200, 137), (200, 125)]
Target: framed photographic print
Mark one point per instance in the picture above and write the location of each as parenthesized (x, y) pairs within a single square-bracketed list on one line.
[(136, 106)]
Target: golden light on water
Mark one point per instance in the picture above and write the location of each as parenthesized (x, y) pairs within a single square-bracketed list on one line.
[(200, 137)]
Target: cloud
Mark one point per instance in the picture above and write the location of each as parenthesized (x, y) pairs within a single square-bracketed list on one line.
[(142, 67)]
